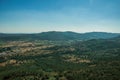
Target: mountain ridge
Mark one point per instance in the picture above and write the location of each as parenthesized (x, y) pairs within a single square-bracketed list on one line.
[(58, 35)]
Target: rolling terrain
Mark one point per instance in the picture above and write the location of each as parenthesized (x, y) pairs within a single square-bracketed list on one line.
[(53, 35), (60, 56)]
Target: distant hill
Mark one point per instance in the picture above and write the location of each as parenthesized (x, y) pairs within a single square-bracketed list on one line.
[(118, 37), (98, 35), (56, 35), (52, 35)]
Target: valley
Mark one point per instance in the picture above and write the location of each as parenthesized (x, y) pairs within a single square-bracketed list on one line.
[(69, 59)]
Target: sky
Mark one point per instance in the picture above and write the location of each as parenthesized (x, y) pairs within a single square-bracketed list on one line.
[(34, 16)]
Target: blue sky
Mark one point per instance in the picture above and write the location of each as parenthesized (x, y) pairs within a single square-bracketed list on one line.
[(34, 16)]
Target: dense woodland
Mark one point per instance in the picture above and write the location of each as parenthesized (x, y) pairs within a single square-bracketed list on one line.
[(93, 59)]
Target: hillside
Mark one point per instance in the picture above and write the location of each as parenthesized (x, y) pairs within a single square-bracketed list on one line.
[(95, 59), (99, 35), (53, 35)]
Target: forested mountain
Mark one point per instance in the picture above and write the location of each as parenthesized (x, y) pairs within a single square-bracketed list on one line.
[(94, 59), (53, 35), (99, 35)]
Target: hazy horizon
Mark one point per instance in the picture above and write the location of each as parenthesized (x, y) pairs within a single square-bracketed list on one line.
[(35, 16), (55, 31)]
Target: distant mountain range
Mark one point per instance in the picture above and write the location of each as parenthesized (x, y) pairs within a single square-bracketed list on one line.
[(56, 35)]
